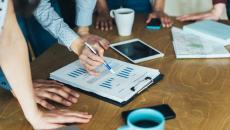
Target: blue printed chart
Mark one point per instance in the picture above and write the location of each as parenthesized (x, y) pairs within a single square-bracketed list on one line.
[(77, 73), (125, 73), (107, 83)]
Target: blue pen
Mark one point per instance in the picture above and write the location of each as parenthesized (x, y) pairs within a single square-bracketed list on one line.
[(104, 63)]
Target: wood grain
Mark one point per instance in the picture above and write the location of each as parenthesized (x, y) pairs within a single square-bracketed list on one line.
[(198, 90)]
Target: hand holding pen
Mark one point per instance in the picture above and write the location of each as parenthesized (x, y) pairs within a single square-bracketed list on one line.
[(88, 59)]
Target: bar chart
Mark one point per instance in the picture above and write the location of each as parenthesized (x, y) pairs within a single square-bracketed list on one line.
[(107, 83), (77, 73), (125, 73)]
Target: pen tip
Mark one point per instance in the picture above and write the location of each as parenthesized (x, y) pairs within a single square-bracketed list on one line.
[(112, 71)]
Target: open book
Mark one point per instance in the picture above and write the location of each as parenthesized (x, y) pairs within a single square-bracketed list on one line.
[(190, 45), (119, 88)]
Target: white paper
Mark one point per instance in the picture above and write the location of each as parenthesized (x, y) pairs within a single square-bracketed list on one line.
[(113, 86), (189, 45)]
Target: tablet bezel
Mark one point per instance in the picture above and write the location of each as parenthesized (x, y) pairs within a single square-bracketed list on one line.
[(141, 59)]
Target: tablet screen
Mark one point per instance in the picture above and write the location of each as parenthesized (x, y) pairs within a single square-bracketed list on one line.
[(136, 50)]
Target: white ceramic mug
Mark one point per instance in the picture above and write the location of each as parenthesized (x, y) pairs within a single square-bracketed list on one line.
[(124, 18)]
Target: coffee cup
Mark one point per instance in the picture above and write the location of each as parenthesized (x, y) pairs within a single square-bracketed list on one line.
[(124, 18), (144, 119)]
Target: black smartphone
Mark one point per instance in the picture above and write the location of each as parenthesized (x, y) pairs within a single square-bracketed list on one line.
[(165, 109), (155, 24)]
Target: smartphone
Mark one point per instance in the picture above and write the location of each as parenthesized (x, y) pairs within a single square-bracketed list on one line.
[(165, 109), (155, 24)]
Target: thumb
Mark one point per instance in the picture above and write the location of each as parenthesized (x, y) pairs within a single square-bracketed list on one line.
[(149, 19)]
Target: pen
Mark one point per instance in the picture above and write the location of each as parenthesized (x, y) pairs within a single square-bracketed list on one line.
[(104, 62)]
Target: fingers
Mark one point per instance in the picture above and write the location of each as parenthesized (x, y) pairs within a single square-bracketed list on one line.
[(44, 103), (89, 68), (68, 117), (104, 24), (166, 22), (56, 98), (90, 57), (104, 43), (97, 24), (65, 93), (150, 17)]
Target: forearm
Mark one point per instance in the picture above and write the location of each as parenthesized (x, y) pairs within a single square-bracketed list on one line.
[(218, 9), (158, 5), (14, 62), (101, 6)]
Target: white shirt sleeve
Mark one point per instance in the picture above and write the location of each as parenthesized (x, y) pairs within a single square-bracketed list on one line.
[(84, 12)]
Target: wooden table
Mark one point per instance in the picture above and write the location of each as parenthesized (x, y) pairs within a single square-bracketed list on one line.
[(198, 90)]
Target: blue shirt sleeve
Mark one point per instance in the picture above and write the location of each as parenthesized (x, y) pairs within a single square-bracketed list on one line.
[(84, 12)]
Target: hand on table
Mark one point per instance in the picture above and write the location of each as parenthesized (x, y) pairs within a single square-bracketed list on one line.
[(104, 21), (87, 58), (54, 91), (165, 20), (57, 118)]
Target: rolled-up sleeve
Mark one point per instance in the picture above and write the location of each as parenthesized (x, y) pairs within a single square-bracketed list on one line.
[(54, 24), (218, 1), (84, 12)]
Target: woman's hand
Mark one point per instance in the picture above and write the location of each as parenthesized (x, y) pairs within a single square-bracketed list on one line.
[(87, 58), (45, 90), (57, 118), (165, 20)]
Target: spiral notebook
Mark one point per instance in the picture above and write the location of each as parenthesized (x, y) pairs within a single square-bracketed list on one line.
[(120, 88)]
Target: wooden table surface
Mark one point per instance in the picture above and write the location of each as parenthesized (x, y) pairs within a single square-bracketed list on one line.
[(198, 90)]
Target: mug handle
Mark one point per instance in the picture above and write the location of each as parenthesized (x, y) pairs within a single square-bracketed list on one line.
[(112, 13), (124, 127)]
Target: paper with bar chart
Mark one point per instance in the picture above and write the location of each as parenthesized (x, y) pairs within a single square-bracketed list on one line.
[(116, 86)]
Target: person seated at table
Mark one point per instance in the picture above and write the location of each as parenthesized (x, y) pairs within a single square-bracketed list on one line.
[(14, 61), (154, 8), (214, 14)]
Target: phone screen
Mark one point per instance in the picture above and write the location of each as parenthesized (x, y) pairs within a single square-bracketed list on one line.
[(154, 24), (165, 109)]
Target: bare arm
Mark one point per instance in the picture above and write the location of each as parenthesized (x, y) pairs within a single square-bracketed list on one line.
[(103, 20), (213, 14), (14, 61)]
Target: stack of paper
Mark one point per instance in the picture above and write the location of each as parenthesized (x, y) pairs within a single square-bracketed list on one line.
[(190, 45), (211, 30), (120, 87)]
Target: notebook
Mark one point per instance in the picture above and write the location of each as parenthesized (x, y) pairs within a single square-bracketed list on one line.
[(189, 45), (120, 88), (210, 29)]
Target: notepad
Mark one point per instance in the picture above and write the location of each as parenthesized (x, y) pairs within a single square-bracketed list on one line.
[(119, 88), (190, 45), (211, 30)]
